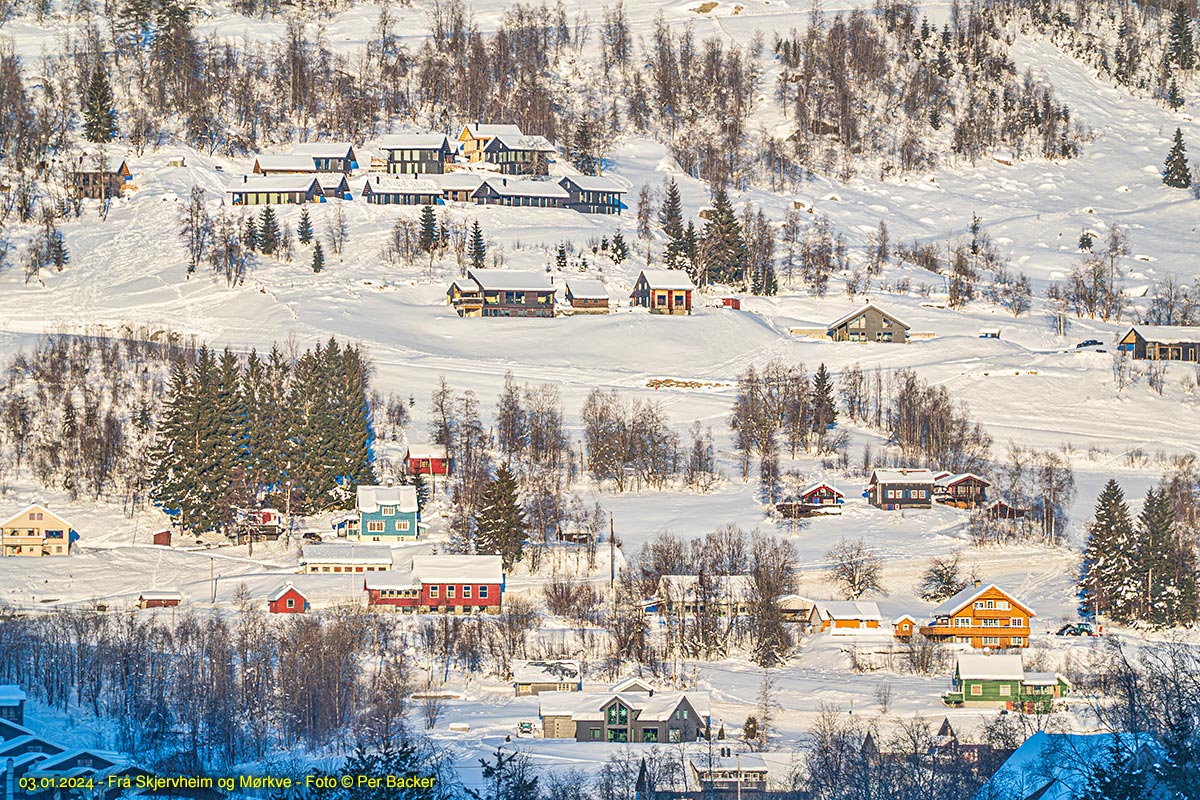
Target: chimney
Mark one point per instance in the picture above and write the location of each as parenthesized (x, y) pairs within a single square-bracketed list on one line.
[(977, 583), (245, 178), (376, 180), (504, 181), (389, 481)]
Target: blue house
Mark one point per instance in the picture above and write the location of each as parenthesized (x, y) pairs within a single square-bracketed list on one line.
[(387, 513)]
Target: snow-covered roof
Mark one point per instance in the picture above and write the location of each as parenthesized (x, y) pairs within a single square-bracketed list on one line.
[(847, 609), (401, 184), (24, 512), (1166, 333), (596, 183), (285, 162), (323, 149), (274, 183), (458, 180), (951, 480), (160, 595), (388, 580), (586, 289), (1043, 679), (682, 588), (54, 763), (632, 684), (849, 315), (968, 596), (458, 569), (1058, 766), (370, 498), (480, 130), (546, 671), (667, 279), (534, 143), (980, 666), (522, 187), (744, 762), (903, 617), (427, 450), (656, 707), (282, 590), (821, 485), (332, 180), (902, 476), (511, 280), (11, 695), (346, 554), (794, 602), (413, 141)]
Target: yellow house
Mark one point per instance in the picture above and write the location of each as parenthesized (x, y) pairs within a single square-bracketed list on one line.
[(475, 137), (36, 532)]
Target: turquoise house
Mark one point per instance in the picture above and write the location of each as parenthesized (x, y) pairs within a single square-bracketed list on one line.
[(387, 513)]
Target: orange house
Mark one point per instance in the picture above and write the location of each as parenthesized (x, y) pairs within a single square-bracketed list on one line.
[(904, 627), (844, 617), (983, 617)]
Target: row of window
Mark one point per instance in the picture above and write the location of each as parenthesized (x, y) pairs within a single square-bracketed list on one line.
[(368, 568), (379, 526), (402, 199), (902, 494), (999, 605), (967, 622), (466, 592), (621, 735), (993, 641)]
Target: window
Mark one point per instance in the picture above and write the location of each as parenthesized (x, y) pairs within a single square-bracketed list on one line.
[(1016, 622), (991, 641), (1002, 605), (375, 526), (466, 592), (402, 524), (291, 603), (449, 592), (673, 735), (389, 511), (1005, 690), (483, 592), (962, 622), (858, 322), (650, 734), (433, 591), (976, 689), (990, 604), (991, 623), (1017, 641), (595, 732), (979, 604)]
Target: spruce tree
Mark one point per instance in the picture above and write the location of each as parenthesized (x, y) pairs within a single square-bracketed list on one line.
[(620, 250), (560, 257), (1174, 96), (1175, 168), (99, 114), (1181, 47), (500, 521), (1107, 569), (670, 216), (477, 247), (582, 150), (1167, 565), (429, 232), (1110, 778), (318, 258), (268, 231), (726, 255), (250, 233), (1086, 240), (824, 410), (304, 228)]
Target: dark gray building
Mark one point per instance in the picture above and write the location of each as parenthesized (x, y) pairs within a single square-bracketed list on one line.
[(636, 717), (416, 153)]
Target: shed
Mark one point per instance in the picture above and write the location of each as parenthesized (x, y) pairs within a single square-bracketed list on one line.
[(287, 599), (158, 599)]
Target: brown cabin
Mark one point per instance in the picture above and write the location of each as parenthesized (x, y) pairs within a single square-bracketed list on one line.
[(100, 182)]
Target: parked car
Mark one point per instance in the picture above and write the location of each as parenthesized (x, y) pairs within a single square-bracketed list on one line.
[(1088, 343), (1076, 629)]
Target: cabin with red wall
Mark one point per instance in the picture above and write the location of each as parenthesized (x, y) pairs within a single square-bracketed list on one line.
[(287, 599), (448, 583), (427, 459)]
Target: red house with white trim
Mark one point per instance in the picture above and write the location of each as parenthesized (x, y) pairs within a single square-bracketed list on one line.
[(428, 459), (287, 599), (447, 583)]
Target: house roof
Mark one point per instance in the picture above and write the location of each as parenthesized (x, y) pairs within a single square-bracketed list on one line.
[(546, 671), (666, 279), (458, 180), (681, 588), (57, 762), (980, 666), (903, 617), (370, 498), (274, 183), (953, 480), (1058, 766), (511, 280), (347, 554), (284, 589), (427, 449), (632, 684), (324, 149), (35, 507), (794, 602), (10, 730), (483, 130), (522, 187), (596, 183), (901, 476), (847, 609), (745, 762), (509, 141), (11, 695), (414, 141), (388, 580), (849, 315), (160, 595), (1165, 333), (1043, 679), (332, 180), (401, 184), (814, 487), (458, 569), (652, 707), (968, 596), (587, 289), (285, 162)]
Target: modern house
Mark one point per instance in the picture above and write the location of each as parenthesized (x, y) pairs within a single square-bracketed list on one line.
[(12, 703), (157, 599), (592, 194), (427, 459), (502, 293), (334, 185), (518, 154), (284, 164), (417, 153), (844, 617), (813, 500), (726, 595), (1161, 342), (522, 192), (897, 489), (287, 599), (387, 513), (475, 137), (663, 291), (329, 156), (587, 296), (546, 675), (626, 717), (868, 323), (1000, 681), (35, 531), (344, 558), (99, 181), (459, 187), (401, 190), (446, 583), (285, 189), (964, 490), (981, 616)]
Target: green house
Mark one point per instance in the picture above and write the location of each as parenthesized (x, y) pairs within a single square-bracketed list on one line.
[(1000, 681)]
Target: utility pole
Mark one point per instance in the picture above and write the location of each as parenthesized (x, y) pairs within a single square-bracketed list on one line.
[(212, 577), (612, 564)]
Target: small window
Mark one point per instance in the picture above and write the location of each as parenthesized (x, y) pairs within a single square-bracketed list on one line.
[(979, 604), (1016, 622), (449, 591), (1002, 605), (466, 592), (389, 511), (1005, 690), (1017, 641), (990, 604), (433, 591), (291, 603), (976, 690), (483, 592)]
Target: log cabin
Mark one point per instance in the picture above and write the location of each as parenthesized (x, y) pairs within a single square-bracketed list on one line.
[(663, 291), (587, 296), (982, 616), (897, 489), (868, 323), (965, 490), (100, 181)]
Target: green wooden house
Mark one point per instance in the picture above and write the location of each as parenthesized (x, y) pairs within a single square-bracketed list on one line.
[(387, 513), (1000, 681)]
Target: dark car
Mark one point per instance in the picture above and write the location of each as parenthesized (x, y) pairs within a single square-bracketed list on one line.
[(1089, 343)]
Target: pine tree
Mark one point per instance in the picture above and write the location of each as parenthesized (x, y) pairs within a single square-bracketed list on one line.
[(250, 233), (268, 231), (429, 232), (670, 216), (824, 410), (1106, 572), (1175, 168), (304, 228), (1086, 240), (1181, 48), (620, 250), (99, 115), (726, 255), (582, 149), (1169, 590), (318, 258), (1110, 777), (560, 257), (500, 521), (477, 247), (1174, 96)]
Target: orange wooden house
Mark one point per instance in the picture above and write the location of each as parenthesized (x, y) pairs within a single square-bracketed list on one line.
[(983, 616)]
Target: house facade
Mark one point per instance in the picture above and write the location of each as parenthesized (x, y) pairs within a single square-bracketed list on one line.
[(329, 156), (897, 489), (502, 293), (520, 192), (844, 617), (625, 717), (537, 676), (343, 558), (387, 513), (102, 181), (818, 498), (36, 531), (982, 616), (587, 296), (287, 599), (518, 155), (450, 584), (157, 599), (417, 153), (1161, 342), (427, 459), (260, 190), (401, 190), (1000, 681), (12, 703), (869, 323), (663, 291), (590, 194), (476, 136), (964, 490)]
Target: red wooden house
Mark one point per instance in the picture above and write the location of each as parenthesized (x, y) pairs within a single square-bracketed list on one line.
[(449, 583), (965, 490), (287, 599), (159, 599), (163, 538), (428, 459), (819, 498), (998, 509)]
